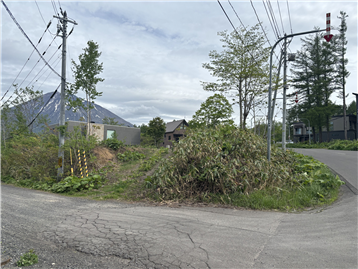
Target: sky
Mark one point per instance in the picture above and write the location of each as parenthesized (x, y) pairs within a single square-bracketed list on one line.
[(153, 51)]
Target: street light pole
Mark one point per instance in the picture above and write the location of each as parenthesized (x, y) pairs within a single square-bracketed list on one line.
[(269, 122)]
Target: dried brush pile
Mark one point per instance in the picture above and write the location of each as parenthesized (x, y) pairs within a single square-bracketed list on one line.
[(222, 160)]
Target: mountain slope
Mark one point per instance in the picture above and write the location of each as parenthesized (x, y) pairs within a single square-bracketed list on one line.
[(52, 110)]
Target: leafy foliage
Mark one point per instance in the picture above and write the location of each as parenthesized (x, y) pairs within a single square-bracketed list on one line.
[(222, 160), (110, 121), (29, 258), (128, 156), (215, 110), (113, 143), (334, 144), (74, 184), (156, 130), (241, 68), (86, 78)]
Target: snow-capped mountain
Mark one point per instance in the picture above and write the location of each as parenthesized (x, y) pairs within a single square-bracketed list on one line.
[(52, 110)]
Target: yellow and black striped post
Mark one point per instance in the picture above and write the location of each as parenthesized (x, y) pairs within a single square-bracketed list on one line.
[(85, 163), (79, 162), (71, 162)]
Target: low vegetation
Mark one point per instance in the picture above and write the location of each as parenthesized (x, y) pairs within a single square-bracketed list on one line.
[(223, 165), (229, 165), (28, 259), (334, 144)]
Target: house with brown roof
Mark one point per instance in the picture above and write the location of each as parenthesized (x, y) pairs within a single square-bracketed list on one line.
[(174, 131)]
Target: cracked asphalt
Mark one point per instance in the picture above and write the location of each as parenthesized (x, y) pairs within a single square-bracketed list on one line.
[(69, 232), (77, 233)]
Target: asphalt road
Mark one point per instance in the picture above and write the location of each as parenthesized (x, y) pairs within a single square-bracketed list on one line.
[(342, 162), (77, 233)]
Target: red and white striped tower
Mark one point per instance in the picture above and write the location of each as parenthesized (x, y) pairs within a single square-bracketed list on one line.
[(328, 35)]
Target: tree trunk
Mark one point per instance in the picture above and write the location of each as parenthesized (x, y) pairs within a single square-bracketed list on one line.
[(240, 102)]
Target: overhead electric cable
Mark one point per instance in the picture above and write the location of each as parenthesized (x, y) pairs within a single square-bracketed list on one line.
[(54, 7), (42, 69), (268, 41), (30, 72), (57, 61), (253, 58), (289, 16), (25, 63), (40, 111), (273, 28), (279, 10), (13, 18), (273, 17)]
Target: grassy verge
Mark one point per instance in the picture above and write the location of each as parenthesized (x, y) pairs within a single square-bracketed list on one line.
[(334, 144), (215, 171)]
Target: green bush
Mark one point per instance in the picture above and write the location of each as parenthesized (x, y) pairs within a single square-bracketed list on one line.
[(222, 160), (113, 143), (30, 157), (74, 184), (128, 156), (334, 144)]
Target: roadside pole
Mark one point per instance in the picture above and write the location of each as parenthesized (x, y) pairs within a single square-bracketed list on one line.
[(284, 94), (61, 154)]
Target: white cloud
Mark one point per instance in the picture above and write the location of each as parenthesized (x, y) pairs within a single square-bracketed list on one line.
[(152, 52)]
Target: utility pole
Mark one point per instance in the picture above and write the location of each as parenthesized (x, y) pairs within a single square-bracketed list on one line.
[(284, 94), (61, 153)]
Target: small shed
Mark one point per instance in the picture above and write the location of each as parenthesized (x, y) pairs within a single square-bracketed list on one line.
[(174, 131)]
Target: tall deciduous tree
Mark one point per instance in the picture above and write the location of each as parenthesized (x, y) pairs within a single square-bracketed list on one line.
[(156, 130), (85, 79), (215, 110), (241, 68)]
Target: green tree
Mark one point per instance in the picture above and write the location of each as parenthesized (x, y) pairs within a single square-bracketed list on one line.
[(241, 68), (313, 80), (352, 108), (85, 79), (110, 121), (156, 130), (215, 110)]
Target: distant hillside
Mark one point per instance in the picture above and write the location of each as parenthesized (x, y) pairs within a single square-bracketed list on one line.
[(52, 110)]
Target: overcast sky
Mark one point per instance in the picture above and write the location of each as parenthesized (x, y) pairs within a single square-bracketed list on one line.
[(152, 51)]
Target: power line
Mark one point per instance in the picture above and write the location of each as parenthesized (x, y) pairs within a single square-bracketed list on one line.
[(54, 7), (38, 8), (273, 17), (38, 114), (268, 41), (57, 61), (279, 10), (13, 18), (236, 30), (26, 62), (289, 16), (273, 28), (29, 72), (43, 68)]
